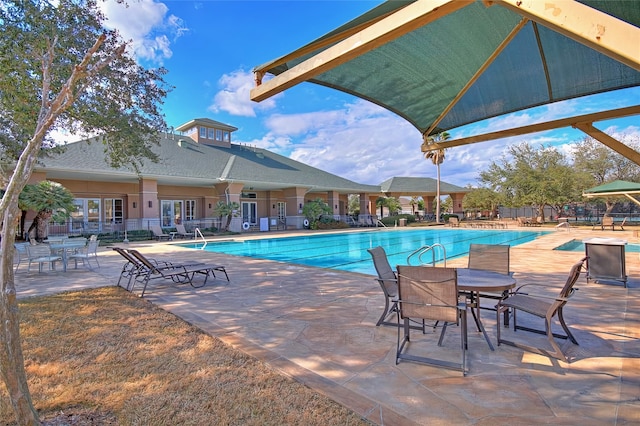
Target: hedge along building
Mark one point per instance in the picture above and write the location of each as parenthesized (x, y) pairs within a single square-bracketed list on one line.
[(197, 168)]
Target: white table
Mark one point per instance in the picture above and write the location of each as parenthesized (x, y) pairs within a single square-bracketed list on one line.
[(65, 248)]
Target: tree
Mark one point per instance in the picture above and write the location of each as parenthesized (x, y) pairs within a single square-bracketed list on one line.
[(48, 199), (314, 210), (597, 164), (481, 199), (528, 176), (437, 157), (229, 210), (391, 203), (60, 69)]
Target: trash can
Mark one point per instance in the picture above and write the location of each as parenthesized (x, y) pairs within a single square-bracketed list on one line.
[(606, 259), (402, 222)]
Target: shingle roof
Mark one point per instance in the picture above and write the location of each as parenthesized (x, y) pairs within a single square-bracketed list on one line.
[(418, 185), (185, 162)]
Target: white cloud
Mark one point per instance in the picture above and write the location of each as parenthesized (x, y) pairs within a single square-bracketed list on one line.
[(145, 24), (234, 96)]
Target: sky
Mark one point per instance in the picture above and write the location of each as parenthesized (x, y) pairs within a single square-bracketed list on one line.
[(210, 47)]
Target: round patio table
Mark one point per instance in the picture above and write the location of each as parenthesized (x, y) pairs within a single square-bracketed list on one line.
[(474, 281)]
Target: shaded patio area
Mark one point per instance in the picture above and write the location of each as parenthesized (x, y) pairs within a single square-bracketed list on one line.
[(317, 325)]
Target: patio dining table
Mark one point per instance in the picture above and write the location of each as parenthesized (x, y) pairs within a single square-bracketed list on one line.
[(474, 281), (66, 247)]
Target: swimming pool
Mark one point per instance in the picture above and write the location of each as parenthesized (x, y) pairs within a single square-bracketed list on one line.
[(348, 251)]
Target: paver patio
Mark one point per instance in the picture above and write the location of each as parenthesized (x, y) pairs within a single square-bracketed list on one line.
[(317, 325)]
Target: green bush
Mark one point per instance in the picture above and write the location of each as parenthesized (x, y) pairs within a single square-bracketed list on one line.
[(328, 223), (395, 220)]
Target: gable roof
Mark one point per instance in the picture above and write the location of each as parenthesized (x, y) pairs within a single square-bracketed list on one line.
[(418, 186), (182, 161)]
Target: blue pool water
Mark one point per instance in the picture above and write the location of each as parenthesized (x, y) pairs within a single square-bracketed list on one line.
[(578, 245), (348, 251)]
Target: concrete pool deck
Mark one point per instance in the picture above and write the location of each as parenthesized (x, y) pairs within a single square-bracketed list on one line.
[(318, 326)]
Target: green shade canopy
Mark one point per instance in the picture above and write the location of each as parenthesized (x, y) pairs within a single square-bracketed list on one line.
[(615, 188), (443, 64)]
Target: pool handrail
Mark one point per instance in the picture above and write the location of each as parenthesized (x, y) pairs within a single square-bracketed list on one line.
[(425, 249), (196, 233)]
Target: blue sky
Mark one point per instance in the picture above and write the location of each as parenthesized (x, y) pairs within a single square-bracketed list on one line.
[(210, 47)]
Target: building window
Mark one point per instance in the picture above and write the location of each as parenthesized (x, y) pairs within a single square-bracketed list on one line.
[(226, 136), (218, 135), (282, 210), (248, 195), (171, 212), (190, 210), (86, 215), (113, 210), (203, 132), (211, 133)]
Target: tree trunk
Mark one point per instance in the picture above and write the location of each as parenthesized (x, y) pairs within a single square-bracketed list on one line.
[(11, 357)]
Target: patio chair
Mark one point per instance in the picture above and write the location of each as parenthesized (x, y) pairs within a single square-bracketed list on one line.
[(182, 232), (388, 282), (41, 254), (427, 293), (21, 253), (158, 232), (542, 306), (181, 274), (624, 221), (606, 222), (489, 257), (86, 254)]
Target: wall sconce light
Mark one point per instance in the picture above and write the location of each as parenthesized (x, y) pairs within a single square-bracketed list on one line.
[(150, 204), (273, 206), (300, 205), (209, 205), (336, 206), (134, 205)]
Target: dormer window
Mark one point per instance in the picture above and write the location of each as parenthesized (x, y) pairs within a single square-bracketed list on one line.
[(211, 134), (203, 132), (225, 136), (218, 134)]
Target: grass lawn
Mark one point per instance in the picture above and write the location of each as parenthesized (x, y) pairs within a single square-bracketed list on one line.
[(106, 357)]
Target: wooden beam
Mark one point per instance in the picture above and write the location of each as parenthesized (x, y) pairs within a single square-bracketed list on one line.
[(597, 30), (538, 127), (612, 143), (403, 21)]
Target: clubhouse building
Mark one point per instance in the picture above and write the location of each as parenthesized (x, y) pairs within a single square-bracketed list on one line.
[(199, 166)]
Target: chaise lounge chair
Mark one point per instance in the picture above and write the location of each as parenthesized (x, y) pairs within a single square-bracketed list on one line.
[(159, 234), (182, 232), (177, 273)]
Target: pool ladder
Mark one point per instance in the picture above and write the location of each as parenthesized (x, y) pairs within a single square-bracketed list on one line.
[(433, 249)]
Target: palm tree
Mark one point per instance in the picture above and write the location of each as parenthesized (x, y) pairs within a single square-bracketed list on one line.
[(49, 200), (437, 157)]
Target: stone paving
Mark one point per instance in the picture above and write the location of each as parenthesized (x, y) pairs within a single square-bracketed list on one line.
[(317, 325)]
